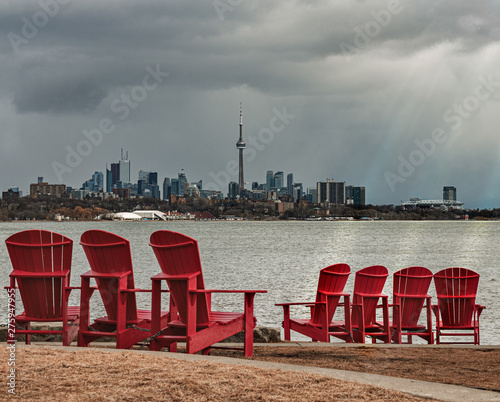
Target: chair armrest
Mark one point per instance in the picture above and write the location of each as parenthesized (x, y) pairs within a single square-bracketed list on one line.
[(226, 291), (163, 275), (136, 290), (334, 293), (23, 274), (371, 295), (94, 274), (413, 296), (299, 304)]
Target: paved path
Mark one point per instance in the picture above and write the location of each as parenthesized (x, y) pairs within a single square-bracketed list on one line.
[(443, 392)]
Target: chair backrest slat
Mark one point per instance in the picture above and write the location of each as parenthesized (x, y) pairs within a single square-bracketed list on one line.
[(178, 254), (41, 251), (110, 253), (456, 290)]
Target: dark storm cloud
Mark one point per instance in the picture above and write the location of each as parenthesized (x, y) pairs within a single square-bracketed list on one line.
[(406, 63)]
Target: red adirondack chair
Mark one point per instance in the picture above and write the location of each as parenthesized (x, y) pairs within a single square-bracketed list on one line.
[(368, 285), (111, 266), (192, 319), (321, 326), (42, 268), (457, 310), (410, 289)]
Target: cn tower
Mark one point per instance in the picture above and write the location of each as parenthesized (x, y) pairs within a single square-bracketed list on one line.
[(240, 146)]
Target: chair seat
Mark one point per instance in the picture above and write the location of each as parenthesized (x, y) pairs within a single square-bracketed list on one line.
[(307, 321), (73, 314), (216, 317), (392, 324), (142, 315)]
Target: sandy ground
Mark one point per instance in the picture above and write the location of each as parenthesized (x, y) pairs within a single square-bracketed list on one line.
[(83, 374)]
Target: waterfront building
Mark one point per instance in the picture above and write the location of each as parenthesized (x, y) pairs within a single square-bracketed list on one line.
[(46, 189), (12, 192), (449, 193), (442, 204), (331, 192), (355, 195)]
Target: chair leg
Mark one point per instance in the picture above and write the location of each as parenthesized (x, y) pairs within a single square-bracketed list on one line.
[(249, 324), (28, 336), (286, 322)]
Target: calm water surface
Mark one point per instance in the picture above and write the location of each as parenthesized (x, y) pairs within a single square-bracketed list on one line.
[(285, 257)]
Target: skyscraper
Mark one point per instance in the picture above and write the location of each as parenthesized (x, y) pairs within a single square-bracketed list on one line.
[(269, 180), (449, 193), (289, 184), (278, 180), (240, 146), (182, 183), (115, 171), (109, 180), (125, 168), (167, 188)]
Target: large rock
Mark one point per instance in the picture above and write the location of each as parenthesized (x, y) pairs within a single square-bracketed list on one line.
[(260, 335)]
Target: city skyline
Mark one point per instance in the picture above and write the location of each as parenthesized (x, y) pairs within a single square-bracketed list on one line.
[(396, 96)]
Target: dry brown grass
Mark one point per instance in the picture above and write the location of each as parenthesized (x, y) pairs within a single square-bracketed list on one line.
[(473, 367), (83, 374)]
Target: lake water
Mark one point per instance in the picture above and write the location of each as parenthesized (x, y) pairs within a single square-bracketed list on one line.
[(284, 258)]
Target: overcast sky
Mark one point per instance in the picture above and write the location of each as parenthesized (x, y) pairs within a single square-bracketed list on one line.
[(399, 97)]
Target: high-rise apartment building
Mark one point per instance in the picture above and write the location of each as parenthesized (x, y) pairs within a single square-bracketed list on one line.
[(449, 193), (331, 192), (46, 189)]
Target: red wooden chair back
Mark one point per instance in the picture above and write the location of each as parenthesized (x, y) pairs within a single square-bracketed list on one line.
[(412, 281), (456, 290), (41, 251), (368, 282), (332, 279), (110, 253), (178, 255)]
